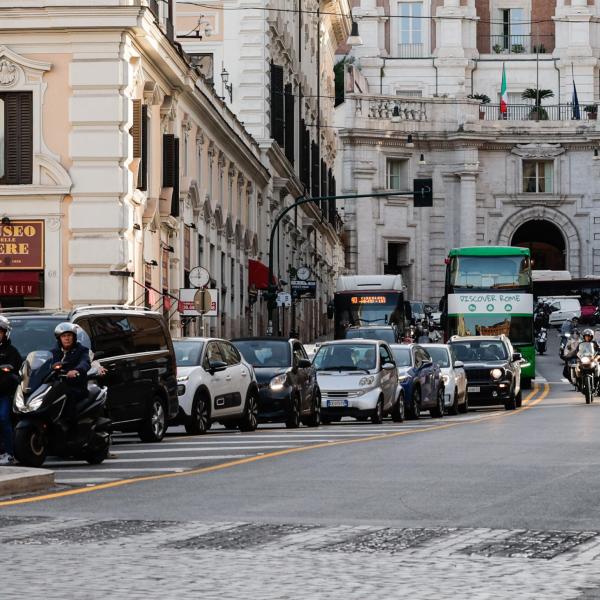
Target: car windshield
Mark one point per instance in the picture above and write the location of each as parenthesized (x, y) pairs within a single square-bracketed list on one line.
[(481, 350), (401, 356), (439, 356), (384, 334), (417, 308), (497, 272), (346, 357), (268, 354), (188, 352)]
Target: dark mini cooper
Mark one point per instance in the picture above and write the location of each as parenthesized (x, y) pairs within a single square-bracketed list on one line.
[(493, 370), (287, 382)]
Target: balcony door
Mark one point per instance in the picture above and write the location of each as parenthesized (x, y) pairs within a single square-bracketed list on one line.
[(411, 28)]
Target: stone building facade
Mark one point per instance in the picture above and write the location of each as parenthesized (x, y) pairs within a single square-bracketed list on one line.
[(525, 177)]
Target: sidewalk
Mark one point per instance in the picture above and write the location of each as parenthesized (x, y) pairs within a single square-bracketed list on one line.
[(21, 480)]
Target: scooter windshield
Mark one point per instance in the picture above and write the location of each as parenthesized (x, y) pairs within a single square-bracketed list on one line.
[(586, 349), (35, 369)]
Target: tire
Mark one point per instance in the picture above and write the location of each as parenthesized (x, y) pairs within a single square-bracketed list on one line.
[(398, 410), (438, 411), (519, 400), (587, 390), (31, 447), (414, 411), (314, 420), (154, 427), (198, 422), (464, 407), (292, 420), (249, 421), (377, 416), (97, 457), (454, 409)]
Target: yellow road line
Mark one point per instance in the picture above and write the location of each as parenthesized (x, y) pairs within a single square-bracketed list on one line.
[(277, 453)]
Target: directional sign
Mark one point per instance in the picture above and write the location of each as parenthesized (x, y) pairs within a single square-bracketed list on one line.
[(304, 289)]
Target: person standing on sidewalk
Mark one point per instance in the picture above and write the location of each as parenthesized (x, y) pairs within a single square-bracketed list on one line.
[(9, 355)]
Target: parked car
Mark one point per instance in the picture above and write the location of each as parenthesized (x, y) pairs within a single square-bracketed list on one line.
[(357, 378), (421, 380), (214, 384), (385, 333), (456, 399), (133, 344), (588, 314), (563, 308), (287, 382), (493, 370)]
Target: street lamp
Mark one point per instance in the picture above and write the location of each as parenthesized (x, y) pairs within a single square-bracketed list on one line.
[(228, 86), (354, 39)]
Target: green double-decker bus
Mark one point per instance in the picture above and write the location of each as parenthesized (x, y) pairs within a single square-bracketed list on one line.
[(489, 291)]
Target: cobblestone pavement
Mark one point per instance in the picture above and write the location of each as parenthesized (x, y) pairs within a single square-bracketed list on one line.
[(49, 558)]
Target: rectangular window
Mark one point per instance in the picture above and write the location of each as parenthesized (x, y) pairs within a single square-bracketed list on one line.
[(16, 138), (396, 174), (411, 29), (277, 105), (514, 37), (537, 176)]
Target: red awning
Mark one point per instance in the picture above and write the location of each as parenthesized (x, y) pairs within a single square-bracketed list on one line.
[(19, 283), (258, 275)]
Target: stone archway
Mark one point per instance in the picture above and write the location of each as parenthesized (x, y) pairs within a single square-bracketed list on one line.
[(572, 244), (545, 242)]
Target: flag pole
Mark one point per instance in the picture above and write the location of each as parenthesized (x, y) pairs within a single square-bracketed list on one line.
[(537, 73)]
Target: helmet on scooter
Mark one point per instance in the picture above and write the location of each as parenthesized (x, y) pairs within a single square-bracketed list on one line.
[(65, 328), (588, 333), (5, 326)]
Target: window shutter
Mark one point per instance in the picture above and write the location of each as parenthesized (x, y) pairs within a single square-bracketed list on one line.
[(175, 196), (332, 203), (304, 155), (136, 128), (143, 171), (315, 178), (324, 203), (18, 138), (289, 123), (277, 104), (168, 160)]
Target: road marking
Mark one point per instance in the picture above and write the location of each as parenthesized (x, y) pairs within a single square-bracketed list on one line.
[(255, 458), (166, 459), (77, 469), (172, 449)]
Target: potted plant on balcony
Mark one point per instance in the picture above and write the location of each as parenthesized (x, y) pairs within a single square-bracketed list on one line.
[(483, 99), (537, 113), (517, 49), (592, 111)]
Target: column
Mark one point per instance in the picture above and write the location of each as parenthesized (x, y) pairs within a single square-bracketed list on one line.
[(468, 209)]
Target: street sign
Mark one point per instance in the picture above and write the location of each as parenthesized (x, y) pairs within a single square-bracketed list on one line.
[(304, 289), (423, 192), (202, 301), (187, 306), (284, 299), (199, 277)]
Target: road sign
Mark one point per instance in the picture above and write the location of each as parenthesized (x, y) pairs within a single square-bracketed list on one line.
[(202, 301), (187, 306), (199, 277), (304, 289), (284, 299)]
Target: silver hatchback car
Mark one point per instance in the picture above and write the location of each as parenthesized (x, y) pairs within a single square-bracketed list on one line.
[(357, 378)]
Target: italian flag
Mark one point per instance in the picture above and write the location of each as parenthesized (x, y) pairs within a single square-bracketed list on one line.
[(503, 93)]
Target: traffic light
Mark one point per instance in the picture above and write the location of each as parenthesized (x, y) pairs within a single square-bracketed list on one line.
[(423, 192)]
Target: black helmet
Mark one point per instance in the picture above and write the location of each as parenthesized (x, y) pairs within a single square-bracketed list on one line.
[(65, 327)]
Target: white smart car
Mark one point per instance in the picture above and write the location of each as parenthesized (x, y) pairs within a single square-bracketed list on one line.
[(214, 383), (455, 380)]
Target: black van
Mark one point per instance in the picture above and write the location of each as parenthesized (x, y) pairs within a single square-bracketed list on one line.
[(132, 344)]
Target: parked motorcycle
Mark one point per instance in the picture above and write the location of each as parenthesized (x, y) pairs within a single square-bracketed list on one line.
[(541, 340), (41, 430), (586, 371)]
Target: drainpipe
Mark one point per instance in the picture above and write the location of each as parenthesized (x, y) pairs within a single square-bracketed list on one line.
[(436, 74), (381, 74), (558, 88), (476, 60)]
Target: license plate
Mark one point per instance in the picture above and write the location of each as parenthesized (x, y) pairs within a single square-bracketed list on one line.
[(337, 403), (473, 389)]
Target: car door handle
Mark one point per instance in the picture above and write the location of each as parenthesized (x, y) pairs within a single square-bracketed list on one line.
[(244, 373), (228, 378)]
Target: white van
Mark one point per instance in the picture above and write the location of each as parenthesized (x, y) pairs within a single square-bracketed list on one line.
[(563, 308)]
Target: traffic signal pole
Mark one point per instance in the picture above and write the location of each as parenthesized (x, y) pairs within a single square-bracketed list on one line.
[(272, 289)]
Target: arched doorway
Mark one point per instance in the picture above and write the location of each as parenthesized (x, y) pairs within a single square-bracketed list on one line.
[(545, 241)]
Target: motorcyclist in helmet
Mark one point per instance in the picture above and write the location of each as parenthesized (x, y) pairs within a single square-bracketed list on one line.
[(587, 337), (569, 326), (74, 358), (9, 355)]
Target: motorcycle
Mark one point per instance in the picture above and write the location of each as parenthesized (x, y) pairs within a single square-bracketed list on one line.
[(541, 339), (586, 371), (39, 404)]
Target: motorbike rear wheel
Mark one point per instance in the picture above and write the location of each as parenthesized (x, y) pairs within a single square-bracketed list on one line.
[(587, 390), (98, 456), (31, 447)]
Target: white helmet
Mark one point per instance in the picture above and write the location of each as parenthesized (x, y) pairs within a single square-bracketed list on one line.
[(5, 326), (65, 327)]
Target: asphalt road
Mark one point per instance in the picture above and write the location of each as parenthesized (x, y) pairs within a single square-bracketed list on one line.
[(516, 492)]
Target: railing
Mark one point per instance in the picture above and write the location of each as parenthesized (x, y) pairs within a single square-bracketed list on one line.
[(511, 44), (411, 50), (528, 112), (396, 110)]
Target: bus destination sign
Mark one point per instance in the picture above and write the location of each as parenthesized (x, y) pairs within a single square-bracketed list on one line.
[(368, 300)]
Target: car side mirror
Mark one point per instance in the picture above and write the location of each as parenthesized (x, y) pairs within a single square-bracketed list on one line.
[(388, 366), (459, 364), (304, 363), (216, 365), (517, 356)]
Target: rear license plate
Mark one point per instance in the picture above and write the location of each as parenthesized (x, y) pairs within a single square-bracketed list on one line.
[(337, 403), (473, 389)]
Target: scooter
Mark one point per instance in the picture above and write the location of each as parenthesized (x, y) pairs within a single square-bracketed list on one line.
[(541, 339), (586, 371), (42, 430)]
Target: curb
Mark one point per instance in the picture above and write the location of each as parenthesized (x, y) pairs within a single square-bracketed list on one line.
[(20, 480)]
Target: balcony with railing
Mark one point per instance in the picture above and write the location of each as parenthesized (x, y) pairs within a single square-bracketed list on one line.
[(521, 44), (528, 112), (411, 51)]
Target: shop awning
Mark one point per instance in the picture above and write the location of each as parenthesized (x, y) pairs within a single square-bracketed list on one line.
[(258, 275), (19, 283)]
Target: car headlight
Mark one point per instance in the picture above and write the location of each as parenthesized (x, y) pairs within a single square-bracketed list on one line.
[(496, 373), (403, 378), (278, 382), (182, 378), (366, 381), (586, 360)]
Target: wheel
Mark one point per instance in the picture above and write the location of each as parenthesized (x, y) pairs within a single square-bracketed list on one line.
[(314, 420), (398, 410), (31, 447), (464, 407), (292, 420), (155, 424), (454, 408), (96, 457), (199, 420), (587, 390), (438, 411), (519, 400), (377, 416), (415, 410), (249, 421)]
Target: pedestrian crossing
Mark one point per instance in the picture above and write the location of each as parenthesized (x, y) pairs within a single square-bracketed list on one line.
[(179, 452)]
